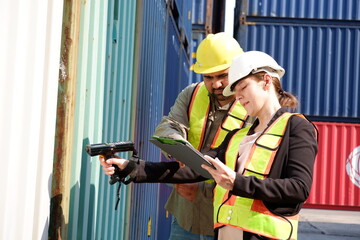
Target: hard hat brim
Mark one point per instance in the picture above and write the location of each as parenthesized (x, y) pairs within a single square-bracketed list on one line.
[(205, 70), (227, 90)]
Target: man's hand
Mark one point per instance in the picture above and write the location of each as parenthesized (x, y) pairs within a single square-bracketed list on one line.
[(107, 164), (223, 175), (187, 191)]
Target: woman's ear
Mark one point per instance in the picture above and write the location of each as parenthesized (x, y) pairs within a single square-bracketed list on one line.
[(267, 81)]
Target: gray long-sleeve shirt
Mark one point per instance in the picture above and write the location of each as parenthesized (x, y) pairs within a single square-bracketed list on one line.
[(195, 216)]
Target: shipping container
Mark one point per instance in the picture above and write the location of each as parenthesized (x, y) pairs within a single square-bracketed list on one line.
[(336, 183), (103, 80), (149, 92), (198, 16), (317, 42), (29, 75), (318, 45), (172, 82), (178, 57), (103, 106), (302, 9)]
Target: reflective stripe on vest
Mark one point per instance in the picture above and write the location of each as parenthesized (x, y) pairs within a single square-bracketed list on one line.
[(249, 214), (198, 112)]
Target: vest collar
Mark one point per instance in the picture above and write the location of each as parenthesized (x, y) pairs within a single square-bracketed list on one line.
[(276, 116)]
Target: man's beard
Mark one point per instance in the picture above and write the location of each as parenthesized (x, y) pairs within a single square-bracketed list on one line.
[(219, 97)]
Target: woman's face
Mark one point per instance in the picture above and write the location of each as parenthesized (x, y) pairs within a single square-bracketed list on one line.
[(252, 94)]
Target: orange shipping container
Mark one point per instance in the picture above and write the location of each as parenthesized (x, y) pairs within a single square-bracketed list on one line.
[(336, 182)]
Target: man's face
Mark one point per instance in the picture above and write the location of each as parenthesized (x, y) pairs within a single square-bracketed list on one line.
[(216, 82)]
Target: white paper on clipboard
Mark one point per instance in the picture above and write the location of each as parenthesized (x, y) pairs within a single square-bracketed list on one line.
[(184, 152)]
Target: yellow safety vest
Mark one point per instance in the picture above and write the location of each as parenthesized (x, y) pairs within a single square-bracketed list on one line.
[(248, 214), (198, 111)]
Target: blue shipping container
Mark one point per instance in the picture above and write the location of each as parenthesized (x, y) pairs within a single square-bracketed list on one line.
[(321, 56)]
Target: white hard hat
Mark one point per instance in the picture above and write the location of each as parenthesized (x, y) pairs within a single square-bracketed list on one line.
[(252, 62)]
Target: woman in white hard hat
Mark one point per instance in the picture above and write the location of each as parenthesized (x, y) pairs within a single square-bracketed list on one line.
[(273, 163), (263, 172)]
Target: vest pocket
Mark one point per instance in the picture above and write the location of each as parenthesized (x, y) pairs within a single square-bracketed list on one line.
[(269, 141), (252, 172)]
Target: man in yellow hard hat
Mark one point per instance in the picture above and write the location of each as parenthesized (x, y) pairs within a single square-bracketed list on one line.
[(202, 115)]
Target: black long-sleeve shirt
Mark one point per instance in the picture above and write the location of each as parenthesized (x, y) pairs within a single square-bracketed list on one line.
[(285, 189)]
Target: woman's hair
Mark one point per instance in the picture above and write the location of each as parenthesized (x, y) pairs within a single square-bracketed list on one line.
[(286, 99)]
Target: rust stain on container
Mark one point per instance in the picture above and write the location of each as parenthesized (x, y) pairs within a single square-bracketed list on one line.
[(59, 207)]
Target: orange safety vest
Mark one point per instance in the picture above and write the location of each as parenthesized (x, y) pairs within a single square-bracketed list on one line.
[(198, 112), (249, 214)]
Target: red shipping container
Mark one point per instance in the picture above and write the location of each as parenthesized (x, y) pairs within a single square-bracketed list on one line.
[(336, 183)]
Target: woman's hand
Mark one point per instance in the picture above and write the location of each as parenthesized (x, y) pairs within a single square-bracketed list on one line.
[(223, 175), (107, 165)]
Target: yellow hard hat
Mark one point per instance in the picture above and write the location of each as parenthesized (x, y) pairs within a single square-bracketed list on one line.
[(215, 53)]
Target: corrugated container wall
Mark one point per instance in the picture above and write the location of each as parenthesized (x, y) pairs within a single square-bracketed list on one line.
[(319, 9), (119, 105), (103, 113), (149, 109), (164, 61), (119, 95), (317, 42), (173, 56), (87, 119), (336, 181), (198, 19), (177, 65), (29, 68)]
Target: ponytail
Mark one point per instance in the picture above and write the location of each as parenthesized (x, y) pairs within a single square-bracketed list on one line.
[(286, 99)]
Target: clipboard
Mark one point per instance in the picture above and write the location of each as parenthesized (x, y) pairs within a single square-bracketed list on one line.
[(183, 151)]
